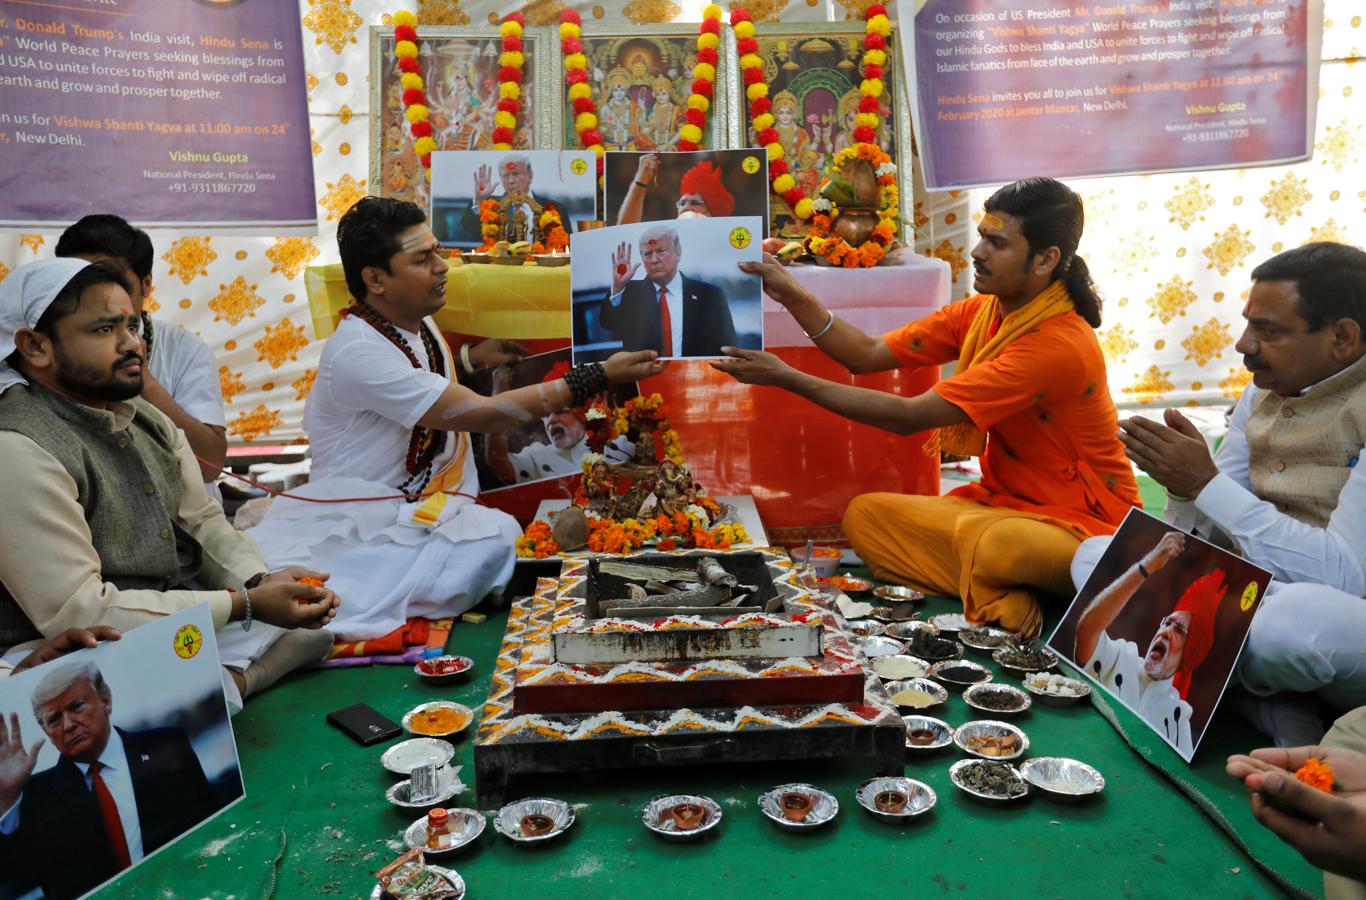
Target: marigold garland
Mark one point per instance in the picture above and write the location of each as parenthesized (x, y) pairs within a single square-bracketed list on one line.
[(554, 239), (704, 80), (510, 64), (650, 408), (580, 93), (761, 116), (821, 241), (488, 224), (537, 542), (414, 90)]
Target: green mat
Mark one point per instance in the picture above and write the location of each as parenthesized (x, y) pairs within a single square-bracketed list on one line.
[(315, 822)]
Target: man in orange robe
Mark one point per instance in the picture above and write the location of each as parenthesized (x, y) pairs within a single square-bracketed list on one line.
[(1029, 397)]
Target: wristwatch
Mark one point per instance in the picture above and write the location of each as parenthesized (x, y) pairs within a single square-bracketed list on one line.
[(254, 580)]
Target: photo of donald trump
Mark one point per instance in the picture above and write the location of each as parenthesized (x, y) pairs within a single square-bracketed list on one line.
[(675, 288), (113, 796), (132, 749)]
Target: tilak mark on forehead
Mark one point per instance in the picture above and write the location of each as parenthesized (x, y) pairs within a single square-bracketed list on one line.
[(993, 221), (420, 241)]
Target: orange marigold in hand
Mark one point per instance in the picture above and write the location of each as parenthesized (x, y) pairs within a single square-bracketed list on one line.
[(315, 582), (1317, 774)]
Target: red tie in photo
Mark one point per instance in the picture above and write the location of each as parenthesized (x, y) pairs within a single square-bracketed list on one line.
[(666, 327), (109, 812)]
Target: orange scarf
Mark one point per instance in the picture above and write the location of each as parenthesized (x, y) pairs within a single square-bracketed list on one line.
[(980, 346)]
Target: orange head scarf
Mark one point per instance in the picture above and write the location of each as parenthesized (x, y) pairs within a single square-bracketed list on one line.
[(705, 179), (1201, 600)]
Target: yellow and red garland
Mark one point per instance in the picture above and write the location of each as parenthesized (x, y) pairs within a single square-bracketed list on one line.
[(877, 28), (488, 224), (694, 124), (414, 90), (580, 92), (510, 65), (761, 115)]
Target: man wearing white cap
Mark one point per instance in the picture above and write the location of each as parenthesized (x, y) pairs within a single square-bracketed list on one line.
[(109, 521)]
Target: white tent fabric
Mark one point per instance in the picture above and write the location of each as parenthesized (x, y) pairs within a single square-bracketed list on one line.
[(1171, 253)]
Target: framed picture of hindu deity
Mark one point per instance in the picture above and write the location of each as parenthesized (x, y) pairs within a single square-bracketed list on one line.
[(460, 70), (641, 79), (813, 78)]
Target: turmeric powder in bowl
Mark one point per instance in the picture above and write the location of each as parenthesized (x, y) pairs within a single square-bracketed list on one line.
[(438, 721)]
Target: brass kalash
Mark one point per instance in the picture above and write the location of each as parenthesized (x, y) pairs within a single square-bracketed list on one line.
[(639, 661)]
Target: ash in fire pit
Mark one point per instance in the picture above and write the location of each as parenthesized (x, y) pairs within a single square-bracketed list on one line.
[(654, 586)]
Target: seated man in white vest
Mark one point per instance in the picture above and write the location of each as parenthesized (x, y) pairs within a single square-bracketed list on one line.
[(389, 429), (109, 523), (1285, 489), (181, 376)]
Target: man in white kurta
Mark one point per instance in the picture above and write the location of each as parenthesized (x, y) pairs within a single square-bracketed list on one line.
[(365, 401), (1285, 488), (388, 428)]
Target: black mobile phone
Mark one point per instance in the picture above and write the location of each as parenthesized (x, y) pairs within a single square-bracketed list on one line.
[(364, 724)]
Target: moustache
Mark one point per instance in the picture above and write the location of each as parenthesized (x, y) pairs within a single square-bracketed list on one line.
[(980, 269), (1253, 364), (125, 360)]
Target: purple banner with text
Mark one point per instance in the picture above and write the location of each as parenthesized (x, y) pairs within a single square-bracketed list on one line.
[(1007, 89), (184, 114)]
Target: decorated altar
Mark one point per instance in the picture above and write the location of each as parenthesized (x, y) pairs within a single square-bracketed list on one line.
[(800, 463)]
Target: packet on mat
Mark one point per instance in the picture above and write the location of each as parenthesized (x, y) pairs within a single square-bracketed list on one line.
[(408, 878), (424, 785)]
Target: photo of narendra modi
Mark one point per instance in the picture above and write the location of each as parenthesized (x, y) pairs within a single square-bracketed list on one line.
[(551, 446), (1160, 623), (657, 187)]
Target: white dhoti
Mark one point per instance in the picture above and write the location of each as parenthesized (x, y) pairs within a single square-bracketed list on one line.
[(385, 567)]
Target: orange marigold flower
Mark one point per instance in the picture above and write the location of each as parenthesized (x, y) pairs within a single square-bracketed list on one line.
[(1317, 774)]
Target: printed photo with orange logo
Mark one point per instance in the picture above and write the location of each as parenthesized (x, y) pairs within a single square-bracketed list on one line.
[(1160, 623)]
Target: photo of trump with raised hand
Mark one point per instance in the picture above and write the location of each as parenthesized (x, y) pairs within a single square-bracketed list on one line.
[(113, 796), (667, 311)]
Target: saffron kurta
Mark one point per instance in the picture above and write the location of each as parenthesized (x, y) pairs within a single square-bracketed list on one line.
[(1053, 464)]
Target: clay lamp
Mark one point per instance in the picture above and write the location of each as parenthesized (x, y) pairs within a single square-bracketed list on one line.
[(922, 736), (687, 816), (536, 825), (890, 802), (796, 806)]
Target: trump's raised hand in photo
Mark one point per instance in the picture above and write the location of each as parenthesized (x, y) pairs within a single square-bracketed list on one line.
[(623, 270)]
